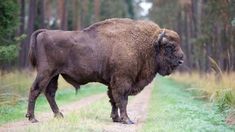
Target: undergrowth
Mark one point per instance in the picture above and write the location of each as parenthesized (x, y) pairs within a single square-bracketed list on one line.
[(218, 89)]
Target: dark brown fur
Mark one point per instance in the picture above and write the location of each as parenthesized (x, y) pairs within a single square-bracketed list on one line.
[(123, 54)]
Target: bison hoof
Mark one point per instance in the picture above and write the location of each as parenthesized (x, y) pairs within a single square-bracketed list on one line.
[(59, 115), (33, 120), (116, 119), (127, 121)]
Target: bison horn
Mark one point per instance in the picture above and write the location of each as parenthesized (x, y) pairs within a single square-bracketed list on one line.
[(161, 36)]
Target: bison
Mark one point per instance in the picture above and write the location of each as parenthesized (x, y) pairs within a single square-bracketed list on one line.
[(123, 54)]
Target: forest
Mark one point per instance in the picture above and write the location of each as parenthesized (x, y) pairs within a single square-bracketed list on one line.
[(206, 29)]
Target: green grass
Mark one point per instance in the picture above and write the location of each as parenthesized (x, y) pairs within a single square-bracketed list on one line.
[(218, 88), (172, 109), (10, 113)]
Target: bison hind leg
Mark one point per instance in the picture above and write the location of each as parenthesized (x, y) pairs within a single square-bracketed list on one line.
[(39, 84), (50, 95)]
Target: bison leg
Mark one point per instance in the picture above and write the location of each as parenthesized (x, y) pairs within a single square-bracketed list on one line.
[(50, 95), (114, 113), (40, 82), (35, 90), (120, 95)]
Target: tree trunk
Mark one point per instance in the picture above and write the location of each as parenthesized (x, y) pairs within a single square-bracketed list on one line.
[(84, 13), (22, 16), (41, 14), (21, 31), (47, 13), (30, 28), (62, 14), (76, 15), (97, 9)]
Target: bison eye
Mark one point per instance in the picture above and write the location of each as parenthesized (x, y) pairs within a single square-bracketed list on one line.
[(169, 48)]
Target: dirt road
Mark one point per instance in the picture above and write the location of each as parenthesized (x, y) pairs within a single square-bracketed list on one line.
[(43, 117), (137, 110)]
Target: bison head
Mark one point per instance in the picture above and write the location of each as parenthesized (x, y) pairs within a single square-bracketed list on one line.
[(169, 53)]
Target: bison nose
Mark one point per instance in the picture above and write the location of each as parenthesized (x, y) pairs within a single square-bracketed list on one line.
[(180, 62)]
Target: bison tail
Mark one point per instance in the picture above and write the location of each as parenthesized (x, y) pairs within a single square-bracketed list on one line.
[(33, 46)]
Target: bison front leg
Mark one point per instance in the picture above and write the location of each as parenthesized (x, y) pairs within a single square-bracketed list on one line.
[(114, 113), (120, 95), (122, 100)]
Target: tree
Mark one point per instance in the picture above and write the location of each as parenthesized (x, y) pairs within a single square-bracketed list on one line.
[(130, 8), (40, 17), (112, 9), (204, 26), (22, 16), (47, 13), (21, 30), (8, 26), (97, 9), (62, 14), (76, 15), (30, 28)]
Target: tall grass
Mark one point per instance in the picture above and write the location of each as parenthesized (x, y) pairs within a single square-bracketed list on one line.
[(15, 85), (216, 88)]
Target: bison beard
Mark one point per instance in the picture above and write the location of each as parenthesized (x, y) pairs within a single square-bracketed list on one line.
[(123, 54)]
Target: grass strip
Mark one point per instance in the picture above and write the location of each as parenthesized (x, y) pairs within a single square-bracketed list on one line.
[(172, 109)]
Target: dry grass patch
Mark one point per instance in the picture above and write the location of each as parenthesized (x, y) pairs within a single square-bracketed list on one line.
[(214, 87)]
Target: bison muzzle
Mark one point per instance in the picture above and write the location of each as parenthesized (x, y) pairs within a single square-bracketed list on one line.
[(123, 54)]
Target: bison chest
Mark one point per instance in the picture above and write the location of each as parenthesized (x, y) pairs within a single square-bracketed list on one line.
[(139, 86), (145, 76)]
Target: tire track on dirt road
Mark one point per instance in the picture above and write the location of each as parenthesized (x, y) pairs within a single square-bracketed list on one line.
[(45, 116), (137, 111)]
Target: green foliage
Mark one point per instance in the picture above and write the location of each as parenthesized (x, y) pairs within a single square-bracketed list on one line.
[(111, 9), (9, 21), (8, 53), (8, 18)]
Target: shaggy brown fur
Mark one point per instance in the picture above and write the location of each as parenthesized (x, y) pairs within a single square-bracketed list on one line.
[(123, 54)]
